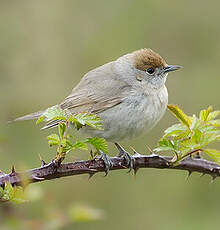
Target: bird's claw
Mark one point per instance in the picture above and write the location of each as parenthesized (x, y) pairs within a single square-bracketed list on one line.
[(107, 161), (128, 158)]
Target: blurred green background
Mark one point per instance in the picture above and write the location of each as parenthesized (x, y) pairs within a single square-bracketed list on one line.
[(47, 46)]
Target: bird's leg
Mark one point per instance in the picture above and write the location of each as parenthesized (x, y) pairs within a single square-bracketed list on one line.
[(107, 161), (128, 158)]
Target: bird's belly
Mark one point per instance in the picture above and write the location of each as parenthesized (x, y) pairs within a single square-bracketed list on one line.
[(135, 115)]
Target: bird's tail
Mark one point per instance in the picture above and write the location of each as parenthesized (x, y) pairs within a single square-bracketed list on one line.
[(31, 116)]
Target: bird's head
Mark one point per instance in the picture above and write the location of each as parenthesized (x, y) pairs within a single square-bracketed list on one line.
[(148, 66), (151, 66)]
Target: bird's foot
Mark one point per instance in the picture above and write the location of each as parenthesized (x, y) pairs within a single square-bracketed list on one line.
[(128, 158), (107, 161)]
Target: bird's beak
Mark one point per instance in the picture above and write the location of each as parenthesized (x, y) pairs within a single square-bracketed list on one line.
[(170, 68)]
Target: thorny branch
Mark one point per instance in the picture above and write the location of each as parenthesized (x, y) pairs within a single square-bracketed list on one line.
[(51, 171)]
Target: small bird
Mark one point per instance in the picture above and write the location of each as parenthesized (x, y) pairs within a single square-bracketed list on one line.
[(128, 94)]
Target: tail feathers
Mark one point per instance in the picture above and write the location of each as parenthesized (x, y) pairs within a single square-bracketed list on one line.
[(31, 116), (51, 124)]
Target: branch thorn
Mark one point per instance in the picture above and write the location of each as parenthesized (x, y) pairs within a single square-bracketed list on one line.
[(135, 152), (120, 149), (150, 150), (42, 161), (91, 175), (12, 170), (135, 171), (37, 178)]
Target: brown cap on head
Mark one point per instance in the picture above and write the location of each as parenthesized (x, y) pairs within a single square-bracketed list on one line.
[(146, 58)]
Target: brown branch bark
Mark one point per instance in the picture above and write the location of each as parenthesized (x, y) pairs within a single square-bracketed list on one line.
[(51, 171)]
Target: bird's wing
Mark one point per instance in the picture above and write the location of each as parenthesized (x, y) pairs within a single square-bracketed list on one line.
[(98, 90)]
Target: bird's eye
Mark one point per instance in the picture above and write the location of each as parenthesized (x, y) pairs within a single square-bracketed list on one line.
[(150, 70)]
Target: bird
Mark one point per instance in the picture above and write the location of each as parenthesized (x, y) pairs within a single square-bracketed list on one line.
[(128, 94)]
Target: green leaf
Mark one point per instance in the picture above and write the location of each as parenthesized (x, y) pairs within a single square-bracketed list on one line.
[(13, 194), (191, 134), (87, 119), (180, 115), (1, 192), (40, 119), (8, 192), (165, 142), (205, 113), (53, 139), (52, 143), (214, 154), (213, 115), (215, 123), (98, 143), (208, 138), (208, 129), (174, 130), (183, 135), (73, 120), (61, 129), (68, 142), (63, 143), (163, 149), (55, 113), (165, 145), (195, 123), (80, 145), (197, 136)]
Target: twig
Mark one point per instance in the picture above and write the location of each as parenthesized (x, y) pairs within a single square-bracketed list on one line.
[(51, 171)]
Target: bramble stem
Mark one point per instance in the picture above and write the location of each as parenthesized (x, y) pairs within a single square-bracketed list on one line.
[(51, 171)]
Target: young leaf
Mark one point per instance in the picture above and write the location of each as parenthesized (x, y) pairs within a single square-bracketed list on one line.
[(98, 143), (63, 143), (74, 121), (183, 135), (8, 192), (180, 115), (163, 149), (52, 143), (197, 136), (215, 123), (53, 139), (208, 129), (174, 130), (214, 154), (165, 145), (195, 123), (208, 138), (68, 142), (213, 115), (88, 119), (54, 112), (40, 119), (205, 113), (80, 145), (61, 128), (1, 192)]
